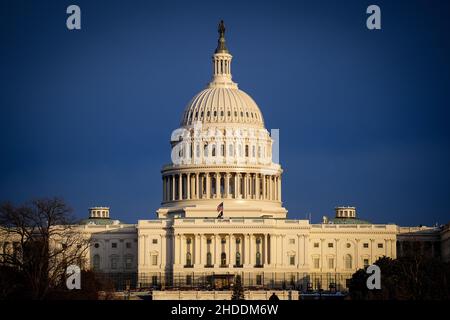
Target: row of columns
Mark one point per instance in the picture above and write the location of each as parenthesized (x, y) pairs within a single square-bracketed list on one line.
[(355, 253), (216, 185), (272, 249), (222, 65)]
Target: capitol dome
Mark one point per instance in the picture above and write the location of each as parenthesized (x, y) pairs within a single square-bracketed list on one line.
[(222, 153), (222, 105), (222, 102)]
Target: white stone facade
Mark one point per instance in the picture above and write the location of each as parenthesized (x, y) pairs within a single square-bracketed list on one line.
[(225, 156)]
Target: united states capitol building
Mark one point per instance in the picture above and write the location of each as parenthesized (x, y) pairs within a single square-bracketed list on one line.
[(222, 213)]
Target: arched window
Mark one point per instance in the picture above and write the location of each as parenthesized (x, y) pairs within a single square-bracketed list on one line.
[(223, 259), (348, 261), (258, 258), (246, 150), (238, 259), (230, 150), (188, 259), (253, 151), (205, 150), (213, 150), (96, 262), (240, 150), (208, 259), (197, 151)]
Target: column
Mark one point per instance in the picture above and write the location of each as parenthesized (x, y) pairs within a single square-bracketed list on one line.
[(252, 250), (188, 190), (264, 249), (230, 250), (394, 249), (279, 188), (283, 247), (246, 249), (180, 186), (208, 186), (245, 186), (202, 250), (264, 186), (227, 185), (386, 249), (197, 186), (175, 249), (216, 250), (238, 184), (257, 186), (163, 240), (275, 184), (146, 250), (217, 176), (180, 249), (269, 187), (197, 250), (321, 254), (141, 254), (306, 250), (298, 255), (173, 187), (272, 253), (356, 254), (336, 262)]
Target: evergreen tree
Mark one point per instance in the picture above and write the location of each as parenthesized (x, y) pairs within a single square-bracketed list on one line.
[(238, 290)]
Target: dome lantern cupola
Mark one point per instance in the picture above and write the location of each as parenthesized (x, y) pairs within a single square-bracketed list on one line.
[(222, 63)]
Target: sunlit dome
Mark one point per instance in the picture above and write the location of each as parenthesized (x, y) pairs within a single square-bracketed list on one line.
[(222, 102), (222, 105)]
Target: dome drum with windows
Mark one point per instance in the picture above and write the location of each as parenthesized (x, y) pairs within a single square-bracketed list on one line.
[(226, 153)]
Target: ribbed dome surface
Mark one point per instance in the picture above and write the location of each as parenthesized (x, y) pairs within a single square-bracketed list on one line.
[(222, 105)]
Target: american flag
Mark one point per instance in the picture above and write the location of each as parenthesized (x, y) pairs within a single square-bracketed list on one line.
[(220, 210)]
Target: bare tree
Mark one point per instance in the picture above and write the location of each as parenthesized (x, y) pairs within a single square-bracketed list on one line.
[(40, 240)]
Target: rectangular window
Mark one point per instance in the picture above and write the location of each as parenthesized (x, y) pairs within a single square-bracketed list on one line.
[(316, 244), (330, 245), (154, 259), (291, 241), (366, 262), (154, 241), (292, 260), (380, 246), (114, 245), (316, 263), (189, 280), (128, 245), (330, 263), (258, 279), (365, 245)]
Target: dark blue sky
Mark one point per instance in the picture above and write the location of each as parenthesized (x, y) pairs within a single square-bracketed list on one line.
[(363, 115)]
